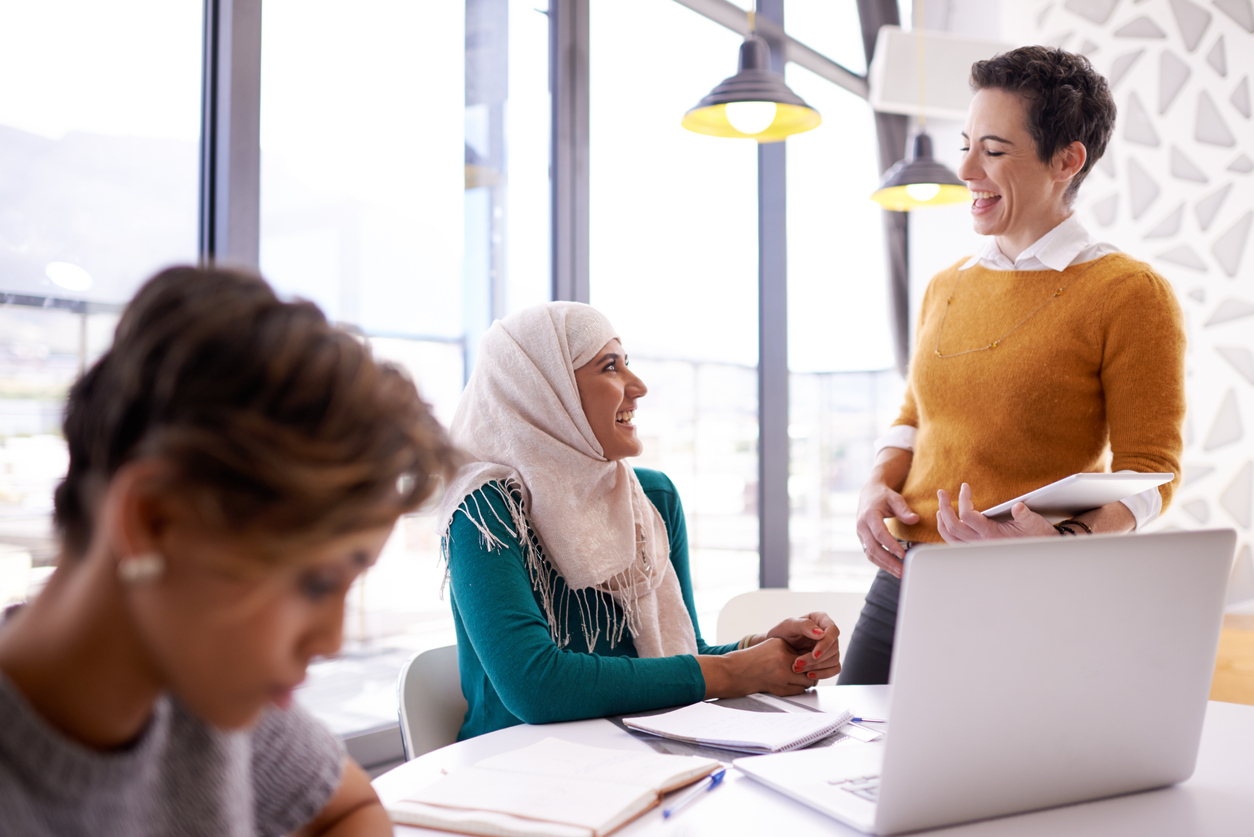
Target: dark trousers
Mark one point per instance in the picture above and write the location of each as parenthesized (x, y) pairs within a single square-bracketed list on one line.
[(869, 657)]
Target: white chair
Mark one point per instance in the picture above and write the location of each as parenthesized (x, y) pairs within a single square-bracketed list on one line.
[(759, 610), (432, 707)]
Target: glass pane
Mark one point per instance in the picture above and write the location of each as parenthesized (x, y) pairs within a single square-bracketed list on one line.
[(834, 419), (405, 189), (838, 326), (42, 352), (830, 27), (403, 195), (673, 213), (361, 182), (507, 161), (674, 266), (837, 280), (99, 144), (99, 172)]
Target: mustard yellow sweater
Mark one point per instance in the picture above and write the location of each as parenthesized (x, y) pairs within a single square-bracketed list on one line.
[(1092, 381)]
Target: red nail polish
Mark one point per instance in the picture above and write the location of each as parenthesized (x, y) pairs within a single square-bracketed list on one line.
[(798, 665), (817, 653), (812, 676)]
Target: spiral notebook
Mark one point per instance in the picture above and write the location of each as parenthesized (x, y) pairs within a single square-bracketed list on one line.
[(736, 729)]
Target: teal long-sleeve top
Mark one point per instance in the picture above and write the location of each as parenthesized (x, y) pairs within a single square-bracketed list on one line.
[(512, 671)]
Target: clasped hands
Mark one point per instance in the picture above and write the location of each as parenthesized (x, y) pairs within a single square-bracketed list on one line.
[(786, 660), (798, 652)]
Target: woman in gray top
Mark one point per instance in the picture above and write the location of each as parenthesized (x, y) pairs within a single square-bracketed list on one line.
[(235, 462)]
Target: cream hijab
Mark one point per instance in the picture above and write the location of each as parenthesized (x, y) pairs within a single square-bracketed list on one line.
[(522, 420)]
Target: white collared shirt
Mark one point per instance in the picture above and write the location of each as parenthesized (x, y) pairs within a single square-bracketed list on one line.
[(1066, 244)]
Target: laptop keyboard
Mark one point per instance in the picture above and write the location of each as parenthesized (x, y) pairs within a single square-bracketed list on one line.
[(864, 787)]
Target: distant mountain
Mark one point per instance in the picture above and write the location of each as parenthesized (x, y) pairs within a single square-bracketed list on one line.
[(118, 207)]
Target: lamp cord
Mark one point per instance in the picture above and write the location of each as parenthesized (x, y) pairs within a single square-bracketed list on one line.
[(918, 37)]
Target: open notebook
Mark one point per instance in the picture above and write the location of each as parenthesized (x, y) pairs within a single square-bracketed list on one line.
[(736, 729), (554, 788)]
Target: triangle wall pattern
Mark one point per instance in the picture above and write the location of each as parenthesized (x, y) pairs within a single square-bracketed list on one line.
[(1184, 202)]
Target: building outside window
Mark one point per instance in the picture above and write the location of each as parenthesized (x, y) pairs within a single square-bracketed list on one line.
[(99, 166)]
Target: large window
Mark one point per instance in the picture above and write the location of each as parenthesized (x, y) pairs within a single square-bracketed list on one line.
[(361, 186), (411, 203), (843, 392), (674, 264), (834, 418), (99, 132), (405, 189)]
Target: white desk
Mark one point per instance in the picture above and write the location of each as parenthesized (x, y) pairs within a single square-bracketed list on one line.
[(1218, 801)]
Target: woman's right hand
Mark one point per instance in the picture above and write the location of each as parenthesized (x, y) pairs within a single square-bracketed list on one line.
[(880, 499), (765, 667)]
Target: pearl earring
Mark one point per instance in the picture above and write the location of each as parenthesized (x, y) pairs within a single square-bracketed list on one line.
[(142, 568)]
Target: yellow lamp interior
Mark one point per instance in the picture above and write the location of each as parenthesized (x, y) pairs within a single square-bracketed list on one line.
[(789, 120), (897, 198)]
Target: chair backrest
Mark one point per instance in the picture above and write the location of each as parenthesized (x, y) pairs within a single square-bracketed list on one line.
[(432, 707), (760, 610)]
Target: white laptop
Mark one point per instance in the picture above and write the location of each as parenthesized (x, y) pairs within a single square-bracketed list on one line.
[(1028, 674)]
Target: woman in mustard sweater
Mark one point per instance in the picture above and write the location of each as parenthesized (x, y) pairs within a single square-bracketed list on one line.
[(1045, 354), (569, 569)]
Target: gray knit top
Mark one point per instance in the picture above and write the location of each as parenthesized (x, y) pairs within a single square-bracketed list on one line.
[(179, 777)]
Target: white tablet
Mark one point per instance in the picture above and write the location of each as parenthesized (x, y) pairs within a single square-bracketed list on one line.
[(1079, 493)]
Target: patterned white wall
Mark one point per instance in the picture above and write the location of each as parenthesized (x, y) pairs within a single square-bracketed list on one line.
[(1176, 189)]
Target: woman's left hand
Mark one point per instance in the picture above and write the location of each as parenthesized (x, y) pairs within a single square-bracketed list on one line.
[(969, 525), (817, 635)]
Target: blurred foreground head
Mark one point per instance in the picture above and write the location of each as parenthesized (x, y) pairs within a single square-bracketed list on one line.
[(235, 463), (273, 422)]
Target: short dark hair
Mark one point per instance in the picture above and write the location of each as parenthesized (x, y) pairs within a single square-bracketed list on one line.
[(1067, 100), (275, 423)]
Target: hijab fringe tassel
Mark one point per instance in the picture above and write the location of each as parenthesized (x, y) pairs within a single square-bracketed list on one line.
[(543, 576)]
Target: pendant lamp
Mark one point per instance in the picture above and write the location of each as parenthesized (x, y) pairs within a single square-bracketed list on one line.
[(920, 181), (755, 103)]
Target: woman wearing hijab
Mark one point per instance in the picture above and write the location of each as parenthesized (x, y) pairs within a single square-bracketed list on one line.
[(569, 570), (1047, 353)]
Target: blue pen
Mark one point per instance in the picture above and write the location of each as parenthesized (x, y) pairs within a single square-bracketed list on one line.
[(869, 720), (714, 779)]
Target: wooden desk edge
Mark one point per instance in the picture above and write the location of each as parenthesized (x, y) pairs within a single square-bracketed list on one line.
[(1239, 621)]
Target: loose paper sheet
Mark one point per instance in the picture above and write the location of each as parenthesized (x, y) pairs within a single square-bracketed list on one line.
[(707, 723)]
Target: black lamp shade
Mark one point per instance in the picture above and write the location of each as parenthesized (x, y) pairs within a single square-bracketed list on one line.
[(921, 170), (755, 82)]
